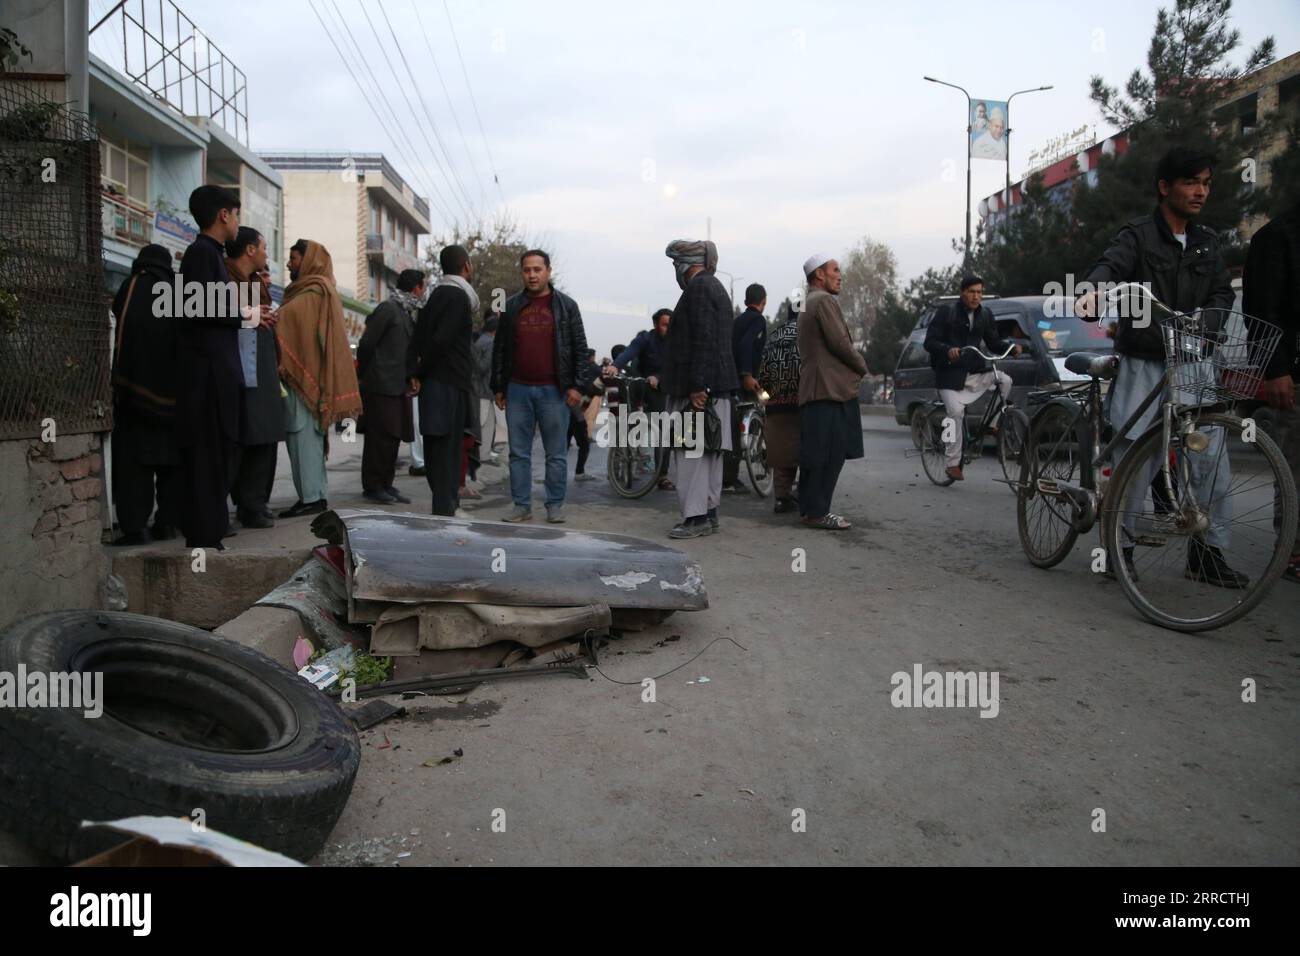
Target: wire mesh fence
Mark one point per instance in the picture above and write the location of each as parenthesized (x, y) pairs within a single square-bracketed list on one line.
[(54, 323)]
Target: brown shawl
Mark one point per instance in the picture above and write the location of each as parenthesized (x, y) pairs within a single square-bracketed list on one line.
[(315, 358)]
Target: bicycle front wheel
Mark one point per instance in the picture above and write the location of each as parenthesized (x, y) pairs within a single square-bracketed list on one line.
[(1209, 554), (760, 473), (933, 456), (1046, 521), (1013, 435), (631, 475)]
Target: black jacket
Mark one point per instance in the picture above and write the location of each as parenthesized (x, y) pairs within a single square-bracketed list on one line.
[(210, 369), (1146, 251), (951, 329), (441, 345), (697, 353), (1270, 285), (748, 335), (570, 341), (382, 353)]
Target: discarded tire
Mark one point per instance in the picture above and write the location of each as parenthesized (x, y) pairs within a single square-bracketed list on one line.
[(190, 722)]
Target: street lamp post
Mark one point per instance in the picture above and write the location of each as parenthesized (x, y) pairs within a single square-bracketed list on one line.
[(733, 286), (965, 260), (1009, 99)]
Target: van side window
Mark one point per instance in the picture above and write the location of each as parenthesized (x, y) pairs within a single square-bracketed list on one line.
[(914, 356)]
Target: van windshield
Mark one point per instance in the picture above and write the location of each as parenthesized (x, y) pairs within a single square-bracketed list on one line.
[(1063, 333)]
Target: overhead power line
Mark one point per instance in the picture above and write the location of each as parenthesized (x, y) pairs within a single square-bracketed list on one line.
[(413, 160), (425, 106), (473, 102), (383, 125), (447, 174), (450, 103)]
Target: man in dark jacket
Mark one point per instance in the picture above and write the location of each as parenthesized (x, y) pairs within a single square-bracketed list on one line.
[(385, 391), (748, 335), (1180, 262), (144, 402), (645, 356), (1270, 287), (261, 410), (963, 377), (699, 370), (211, 374), (441, 366), (536, 356)]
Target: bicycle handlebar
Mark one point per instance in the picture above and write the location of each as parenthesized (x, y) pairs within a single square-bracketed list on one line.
[(986, 356)]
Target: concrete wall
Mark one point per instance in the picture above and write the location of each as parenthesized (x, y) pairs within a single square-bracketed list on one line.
[(323, 207), (50, 496), (58, 34)]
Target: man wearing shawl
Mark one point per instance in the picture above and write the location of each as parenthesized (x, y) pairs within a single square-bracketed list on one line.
[(316, 368), (261, 411), (699, 370), (144, 403), (441, 365)]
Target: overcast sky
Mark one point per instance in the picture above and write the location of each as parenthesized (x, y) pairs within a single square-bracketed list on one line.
[(616, 127)]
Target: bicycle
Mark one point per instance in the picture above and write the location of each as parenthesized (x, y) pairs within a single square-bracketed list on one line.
[(626, 466), (753, 443), (1013, 429), (1063, 491)]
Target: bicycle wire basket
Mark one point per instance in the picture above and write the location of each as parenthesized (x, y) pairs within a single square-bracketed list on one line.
[(1217, 355)]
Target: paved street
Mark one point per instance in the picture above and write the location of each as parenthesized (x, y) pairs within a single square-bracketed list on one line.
[(1097, 708)]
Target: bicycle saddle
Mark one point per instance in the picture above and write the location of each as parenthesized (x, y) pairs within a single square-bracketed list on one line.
[(1093, 364)]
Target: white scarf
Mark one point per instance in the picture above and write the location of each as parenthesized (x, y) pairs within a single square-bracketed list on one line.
[(460, 283)]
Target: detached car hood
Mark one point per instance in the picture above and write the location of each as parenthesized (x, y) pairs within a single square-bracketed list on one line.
[(394, 558)]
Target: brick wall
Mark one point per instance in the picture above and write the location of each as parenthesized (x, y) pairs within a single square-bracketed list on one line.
[(51, 498)]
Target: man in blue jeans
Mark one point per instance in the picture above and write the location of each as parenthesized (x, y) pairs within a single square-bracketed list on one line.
[(539, 348)]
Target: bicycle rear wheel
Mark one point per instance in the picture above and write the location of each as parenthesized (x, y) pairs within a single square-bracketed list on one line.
[(1210, 555), (760, 473), (1046, 522), (630, 475), (933, 456), (1013, 435)]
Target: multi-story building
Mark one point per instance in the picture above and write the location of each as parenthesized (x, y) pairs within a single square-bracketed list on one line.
[(1252, 97), (156, 146), (360, 209)]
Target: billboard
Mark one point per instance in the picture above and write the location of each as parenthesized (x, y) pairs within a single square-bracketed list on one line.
[(988, 129)]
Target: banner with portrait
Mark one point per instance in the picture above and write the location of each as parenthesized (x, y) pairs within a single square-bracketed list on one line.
[(988, 129)]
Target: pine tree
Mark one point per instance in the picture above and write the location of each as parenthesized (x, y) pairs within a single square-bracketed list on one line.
[(1173, 104)]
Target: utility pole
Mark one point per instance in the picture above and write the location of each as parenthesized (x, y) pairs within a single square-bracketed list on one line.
[(965, 259), (1007, 202)]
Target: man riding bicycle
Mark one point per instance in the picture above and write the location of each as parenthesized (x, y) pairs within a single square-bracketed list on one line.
[(1180, 263), (961, 376)]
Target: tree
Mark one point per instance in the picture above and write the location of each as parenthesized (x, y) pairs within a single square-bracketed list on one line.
[(928, 286), (1175, 103), (869, 270), (1028, 249), (1283, 191), (494, 249), (889, 334)]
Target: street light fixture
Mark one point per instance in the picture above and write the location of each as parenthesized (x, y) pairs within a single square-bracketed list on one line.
[(965, 259), (1036, 89), (733, 286)]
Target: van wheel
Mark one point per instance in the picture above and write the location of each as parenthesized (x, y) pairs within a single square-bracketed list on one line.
[(189, 722)]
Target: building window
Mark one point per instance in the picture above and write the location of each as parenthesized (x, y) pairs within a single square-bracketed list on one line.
[(374, 284), (392, 228), (374, 217), (124, 170)]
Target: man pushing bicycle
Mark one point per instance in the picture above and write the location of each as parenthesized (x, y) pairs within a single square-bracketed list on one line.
[(962, 376), (1181, 264)]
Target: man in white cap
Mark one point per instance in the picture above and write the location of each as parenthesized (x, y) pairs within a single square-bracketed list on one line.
[(830, 372)]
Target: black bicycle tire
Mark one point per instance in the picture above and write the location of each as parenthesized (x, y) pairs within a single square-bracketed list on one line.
[(1027, 490)]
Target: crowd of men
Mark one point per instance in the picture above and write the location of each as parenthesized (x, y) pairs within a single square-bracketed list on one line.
[(202, 403)]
